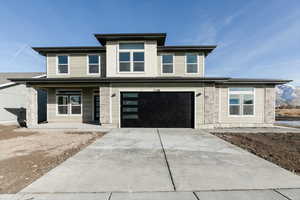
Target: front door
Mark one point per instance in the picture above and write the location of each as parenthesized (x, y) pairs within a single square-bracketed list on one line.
[(96, 108)]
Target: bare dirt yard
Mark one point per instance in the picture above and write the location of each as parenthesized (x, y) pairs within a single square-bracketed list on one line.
[(25, 156), (282, 149)]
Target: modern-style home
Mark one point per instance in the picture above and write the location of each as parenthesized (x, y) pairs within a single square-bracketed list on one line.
[(135, 80)]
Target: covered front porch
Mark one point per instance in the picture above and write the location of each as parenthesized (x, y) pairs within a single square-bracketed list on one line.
[(70, 106)]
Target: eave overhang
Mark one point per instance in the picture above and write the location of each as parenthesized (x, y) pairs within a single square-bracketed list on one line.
[(249, 81), (65, 50), (216, 80), (159, 37), (203, 48)]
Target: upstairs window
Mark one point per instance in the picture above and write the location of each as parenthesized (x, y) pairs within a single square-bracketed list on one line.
[(167, 64), (93, 64), (241, 101), (124, 58), (138, 61), (131, 57), (191, 63), (62, 64)]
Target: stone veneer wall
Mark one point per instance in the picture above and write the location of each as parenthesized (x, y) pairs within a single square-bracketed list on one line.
[(264, 108), (104, 92), (31, 108), (87, 105), (209, 104), (270, 98)]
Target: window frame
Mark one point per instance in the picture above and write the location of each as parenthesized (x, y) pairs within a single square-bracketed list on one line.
[(162, 64), (57, 105), (241, 101), (88, 64), (76, 105), (69, 105), (57, 64), (186, 63), (126, 62), (131, 61)]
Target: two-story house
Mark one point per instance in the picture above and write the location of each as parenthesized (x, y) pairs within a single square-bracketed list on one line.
[(135, 80)]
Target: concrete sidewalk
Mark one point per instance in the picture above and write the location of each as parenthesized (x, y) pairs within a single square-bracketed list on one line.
[(287, 194)]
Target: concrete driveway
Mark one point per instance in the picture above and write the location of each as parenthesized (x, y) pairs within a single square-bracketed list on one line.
[(158, 160)]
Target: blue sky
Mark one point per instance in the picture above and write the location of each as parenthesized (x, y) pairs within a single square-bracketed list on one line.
[(255, 38)]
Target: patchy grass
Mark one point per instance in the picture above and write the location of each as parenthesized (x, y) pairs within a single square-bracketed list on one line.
[(26, 156), (282, 149)]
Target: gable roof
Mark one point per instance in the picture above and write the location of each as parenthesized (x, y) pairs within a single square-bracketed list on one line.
[(159, 37), (4, 82)]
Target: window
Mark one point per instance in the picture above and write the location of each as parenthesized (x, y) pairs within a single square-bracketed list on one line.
[(167, 63), (191, 63), (241, 101), (130, 105), (93, 64), (62, 105), (124, 61), (62, 64), (130, 109), (134, 116), (75, 103), (131, 57), (131, 95), (69, 102), (128, 102), (138, 61)]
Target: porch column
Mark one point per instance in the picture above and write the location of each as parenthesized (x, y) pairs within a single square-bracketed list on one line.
[(105, 98), (270, 104), (32, 107)]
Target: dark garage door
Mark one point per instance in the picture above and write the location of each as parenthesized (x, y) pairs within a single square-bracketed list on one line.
[(157, 109)]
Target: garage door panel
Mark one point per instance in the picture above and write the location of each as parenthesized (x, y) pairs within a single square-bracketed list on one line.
[(157, 109)]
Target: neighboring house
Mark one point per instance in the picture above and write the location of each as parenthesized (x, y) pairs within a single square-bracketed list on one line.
[(13, 97), (135, 80)]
